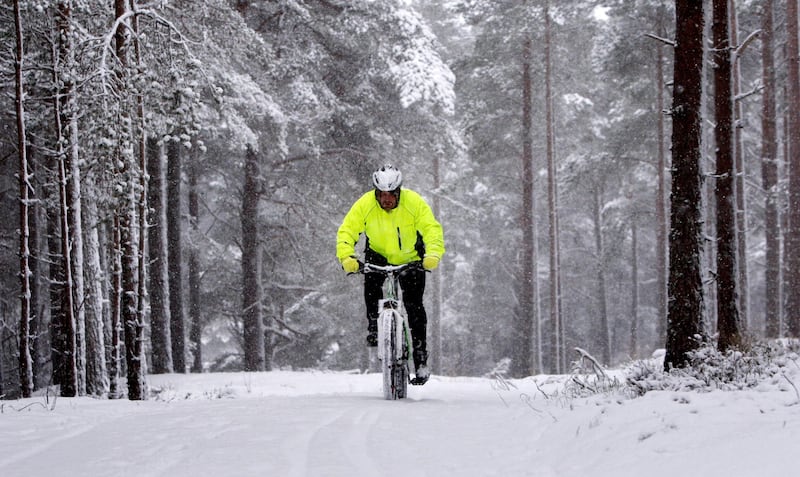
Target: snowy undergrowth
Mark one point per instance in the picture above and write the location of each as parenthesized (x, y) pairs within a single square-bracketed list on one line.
[(773, 364), (765, 366), (168, 393)]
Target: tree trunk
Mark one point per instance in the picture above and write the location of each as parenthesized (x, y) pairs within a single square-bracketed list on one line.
[(769, 176), (557, 329), (728, 324), (792, 244), (69, 384), (68, 342), (69, 387), (740, 176), (634, 331), (115, 295), (66, 106), (685, 287), (174, 256), (25, 359), (522, 359), (251, 286), (58, 336), (160, 340), (196, 330), (783, 205), (129, 283), (74, 208), (40, 345), (603, 333), (127, 220), (435, 316), (3, 353), (141, 205), (661, 202), (96, 370)]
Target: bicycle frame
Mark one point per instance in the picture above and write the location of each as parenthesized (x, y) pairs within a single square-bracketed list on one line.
[(394, 333)]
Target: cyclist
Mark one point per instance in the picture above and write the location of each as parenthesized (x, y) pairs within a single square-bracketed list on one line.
[(400, 228)]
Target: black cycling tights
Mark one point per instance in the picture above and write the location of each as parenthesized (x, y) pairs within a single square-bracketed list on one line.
[(413, 284)]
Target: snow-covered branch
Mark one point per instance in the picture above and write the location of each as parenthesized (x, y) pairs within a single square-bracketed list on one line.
[(740, 49), (661, 39)]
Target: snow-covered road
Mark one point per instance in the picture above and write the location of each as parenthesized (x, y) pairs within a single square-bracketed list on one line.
[(335, 424)]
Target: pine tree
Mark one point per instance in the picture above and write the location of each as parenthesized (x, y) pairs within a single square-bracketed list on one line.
[(792, 234), (127, 176), (175, 256), (25, 358), (728, 324), (685, 314), (769, 174), (160, 341), (254, 359)]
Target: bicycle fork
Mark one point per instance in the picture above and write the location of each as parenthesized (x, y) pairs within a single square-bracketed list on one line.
[(400, 329)]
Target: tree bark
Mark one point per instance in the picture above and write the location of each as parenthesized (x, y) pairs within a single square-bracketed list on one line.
[(661, 202), (685, 287), (40, 346), (127, 222), (740, 176), (160, 340), (792, 237), (634, 330), (728, 325), (174, 256), (435, 324), (769, 176), (115, 296), (604, 330), (96, 369), (69, 384), (195, 318), (557, 328), (25, 358), (253, 327), (141, 201), (522, 359)]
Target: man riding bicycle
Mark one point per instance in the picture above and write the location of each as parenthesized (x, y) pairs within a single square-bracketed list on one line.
[(400, 228)]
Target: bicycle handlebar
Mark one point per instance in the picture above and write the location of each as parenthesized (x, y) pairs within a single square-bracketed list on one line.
[(387, 269)]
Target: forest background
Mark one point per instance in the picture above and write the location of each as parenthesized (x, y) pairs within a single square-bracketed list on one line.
[(188, 163)]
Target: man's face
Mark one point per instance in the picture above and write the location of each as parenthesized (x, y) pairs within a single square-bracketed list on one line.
[(387, 199)]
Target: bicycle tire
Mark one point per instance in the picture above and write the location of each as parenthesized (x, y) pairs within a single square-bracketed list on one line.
[(387, 352), (393, 366), (400, 380)]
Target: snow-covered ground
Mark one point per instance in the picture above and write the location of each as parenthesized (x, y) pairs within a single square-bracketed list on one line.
[(337, 424)]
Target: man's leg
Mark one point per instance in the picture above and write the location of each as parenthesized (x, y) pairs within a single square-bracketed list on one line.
[(373, 291), (413, 285)]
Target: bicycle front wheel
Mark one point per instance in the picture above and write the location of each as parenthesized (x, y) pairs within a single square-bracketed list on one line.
[(395, 374)]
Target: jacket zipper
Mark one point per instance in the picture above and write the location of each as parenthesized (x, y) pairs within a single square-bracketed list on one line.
[(399, 240)]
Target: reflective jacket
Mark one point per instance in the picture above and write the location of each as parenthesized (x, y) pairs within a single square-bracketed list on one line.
[(394, 233)]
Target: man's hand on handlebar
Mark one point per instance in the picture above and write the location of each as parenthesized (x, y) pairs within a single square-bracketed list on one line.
[(351, 265)]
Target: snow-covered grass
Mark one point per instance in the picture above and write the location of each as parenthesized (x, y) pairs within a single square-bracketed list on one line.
[(734, 415)]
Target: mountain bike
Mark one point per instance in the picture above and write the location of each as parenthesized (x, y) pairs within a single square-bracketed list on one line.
[(394, 334)]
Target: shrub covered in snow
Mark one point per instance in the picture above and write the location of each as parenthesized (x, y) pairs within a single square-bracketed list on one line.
[(763, 364)]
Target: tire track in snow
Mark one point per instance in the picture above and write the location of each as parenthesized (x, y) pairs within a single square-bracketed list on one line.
[(32, 449), (340, 445)]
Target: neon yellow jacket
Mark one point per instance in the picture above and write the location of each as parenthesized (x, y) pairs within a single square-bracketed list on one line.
[(393, 233)]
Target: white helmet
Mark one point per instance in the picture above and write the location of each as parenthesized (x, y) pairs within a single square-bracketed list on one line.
[(387, 178)]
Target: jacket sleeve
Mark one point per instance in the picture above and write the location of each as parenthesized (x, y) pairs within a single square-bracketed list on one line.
[(430, 229), (352, 226)]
